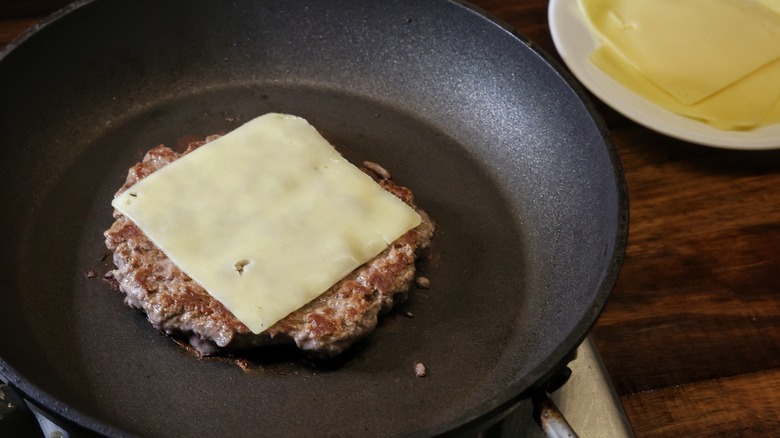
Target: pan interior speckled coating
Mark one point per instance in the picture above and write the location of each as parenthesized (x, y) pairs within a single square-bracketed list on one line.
[(496, 144)]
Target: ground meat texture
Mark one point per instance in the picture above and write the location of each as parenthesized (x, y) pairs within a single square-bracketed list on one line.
[(419, 369), (325, 327)]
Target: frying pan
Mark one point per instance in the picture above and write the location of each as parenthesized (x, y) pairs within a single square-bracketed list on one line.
[(497, 143)]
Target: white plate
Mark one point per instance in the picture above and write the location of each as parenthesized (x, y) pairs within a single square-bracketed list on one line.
[(575, 41)]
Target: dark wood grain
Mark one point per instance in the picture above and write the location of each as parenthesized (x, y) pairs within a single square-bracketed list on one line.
[(740, 406), (10, 28), (29, 8), (691, 335), (700, 284)]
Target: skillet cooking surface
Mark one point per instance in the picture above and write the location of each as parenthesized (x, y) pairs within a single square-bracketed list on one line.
[(496, 145)]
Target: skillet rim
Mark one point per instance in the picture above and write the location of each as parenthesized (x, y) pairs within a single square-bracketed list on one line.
[(469, 420)]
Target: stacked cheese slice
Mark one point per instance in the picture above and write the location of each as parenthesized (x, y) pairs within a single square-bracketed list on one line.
[(717, 61)]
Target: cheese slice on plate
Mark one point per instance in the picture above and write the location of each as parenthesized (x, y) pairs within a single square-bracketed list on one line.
[(771, 4), (267, 217), (690, 48), (744, 104)]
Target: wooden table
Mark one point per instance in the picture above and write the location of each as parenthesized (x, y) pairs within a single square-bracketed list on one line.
[(691, 336)]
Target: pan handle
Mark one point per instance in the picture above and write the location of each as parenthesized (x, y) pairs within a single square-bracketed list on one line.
[(549, 418), (545, 413), (16, 419)]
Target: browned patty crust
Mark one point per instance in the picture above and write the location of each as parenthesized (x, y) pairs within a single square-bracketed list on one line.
[(325, 327)]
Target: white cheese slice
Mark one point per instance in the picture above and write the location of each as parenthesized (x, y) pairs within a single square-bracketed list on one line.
[(267, 217), (690, 48), (774, 5), (744, 104)]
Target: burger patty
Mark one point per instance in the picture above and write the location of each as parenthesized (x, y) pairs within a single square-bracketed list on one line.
[(325, 327)]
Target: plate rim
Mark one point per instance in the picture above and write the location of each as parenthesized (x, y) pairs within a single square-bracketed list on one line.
[(574, 41)]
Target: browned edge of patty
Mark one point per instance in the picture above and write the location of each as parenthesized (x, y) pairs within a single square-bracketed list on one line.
[(325, 327)]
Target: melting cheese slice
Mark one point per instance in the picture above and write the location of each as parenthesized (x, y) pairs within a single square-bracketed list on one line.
[(689, 48), (267, 217)]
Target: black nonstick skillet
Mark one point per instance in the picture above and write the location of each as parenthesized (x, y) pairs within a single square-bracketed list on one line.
[(499, 146)]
